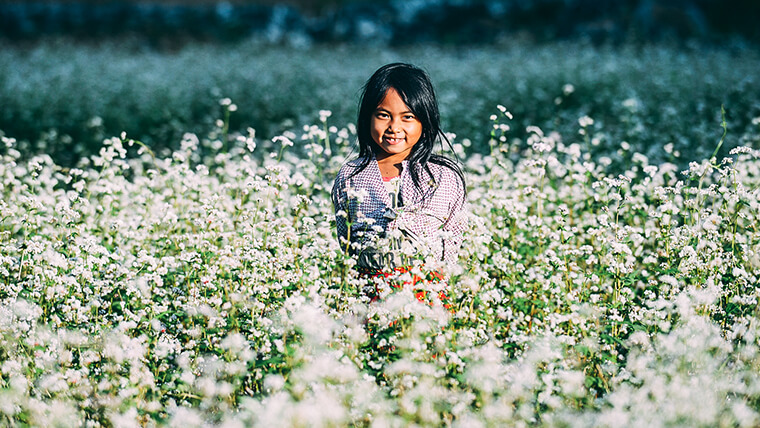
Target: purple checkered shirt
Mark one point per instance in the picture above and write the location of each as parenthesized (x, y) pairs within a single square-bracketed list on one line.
[(432, 216)]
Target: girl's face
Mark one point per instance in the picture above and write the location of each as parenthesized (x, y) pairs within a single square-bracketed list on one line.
[(394, 128)]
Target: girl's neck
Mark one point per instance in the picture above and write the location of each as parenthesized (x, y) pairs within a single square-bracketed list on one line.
[(389, 167)]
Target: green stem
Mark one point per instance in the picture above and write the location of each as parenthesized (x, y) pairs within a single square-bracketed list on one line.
[(226, 128), (723, 137), (327, 142)]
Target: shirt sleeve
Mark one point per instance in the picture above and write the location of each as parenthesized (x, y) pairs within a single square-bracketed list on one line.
[(339, 198)]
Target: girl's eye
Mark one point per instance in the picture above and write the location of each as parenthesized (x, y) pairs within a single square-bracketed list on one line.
[(382, 115), (409, 117)]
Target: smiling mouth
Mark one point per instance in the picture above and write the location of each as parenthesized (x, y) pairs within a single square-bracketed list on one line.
[(393, 141)]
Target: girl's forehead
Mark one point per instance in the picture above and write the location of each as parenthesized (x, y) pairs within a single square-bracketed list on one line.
[(393, 98)]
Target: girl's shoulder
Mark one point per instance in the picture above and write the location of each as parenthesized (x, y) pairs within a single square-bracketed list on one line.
[(354, 163), (444, 171), (351, 168), (441, 170)]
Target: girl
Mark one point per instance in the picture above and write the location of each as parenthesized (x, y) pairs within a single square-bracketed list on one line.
[(398, 200)]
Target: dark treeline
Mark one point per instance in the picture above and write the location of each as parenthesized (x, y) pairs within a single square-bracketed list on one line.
[(393, 23)]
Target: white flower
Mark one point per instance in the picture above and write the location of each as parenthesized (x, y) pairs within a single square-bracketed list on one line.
[(585, 121), (324, 114), (285, 140)]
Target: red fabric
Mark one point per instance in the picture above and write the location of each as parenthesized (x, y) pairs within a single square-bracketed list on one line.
[(389, 178), (420, 294)]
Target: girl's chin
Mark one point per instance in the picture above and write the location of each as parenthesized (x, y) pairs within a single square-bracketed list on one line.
[(393, 149)]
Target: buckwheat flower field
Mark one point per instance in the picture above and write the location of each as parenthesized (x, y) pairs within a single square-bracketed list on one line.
[(608, 277), (207, 288)]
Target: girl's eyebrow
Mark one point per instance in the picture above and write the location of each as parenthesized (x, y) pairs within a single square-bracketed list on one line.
[(388, 111)]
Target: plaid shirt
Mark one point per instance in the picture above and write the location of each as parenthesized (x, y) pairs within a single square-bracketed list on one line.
[(432, 219)]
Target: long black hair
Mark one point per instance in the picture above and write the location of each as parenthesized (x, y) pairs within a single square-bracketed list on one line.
[(415, 89)]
